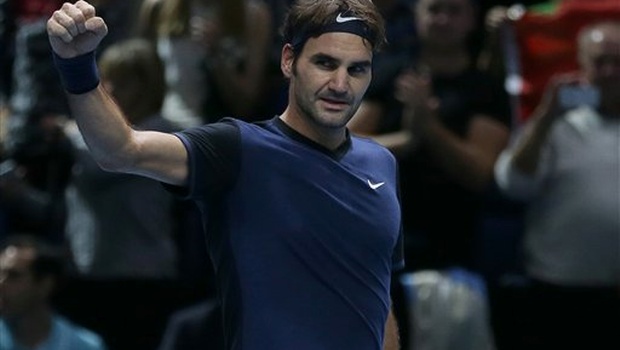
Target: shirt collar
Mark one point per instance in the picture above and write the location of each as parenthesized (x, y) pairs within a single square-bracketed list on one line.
[(338, 153)]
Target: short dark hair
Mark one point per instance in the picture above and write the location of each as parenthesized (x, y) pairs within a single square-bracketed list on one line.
[(308, 18)]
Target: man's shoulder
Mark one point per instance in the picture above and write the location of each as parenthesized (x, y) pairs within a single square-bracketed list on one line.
[(368, 144), (367, 147)]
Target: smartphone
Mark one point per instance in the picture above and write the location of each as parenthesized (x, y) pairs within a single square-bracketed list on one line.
[(573, 96)]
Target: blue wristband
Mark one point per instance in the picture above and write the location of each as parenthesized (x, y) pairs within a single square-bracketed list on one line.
[(78, 74)]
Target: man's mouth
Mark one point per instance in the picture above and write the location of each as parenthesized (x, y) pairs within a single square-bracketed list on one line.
[(335, 104)]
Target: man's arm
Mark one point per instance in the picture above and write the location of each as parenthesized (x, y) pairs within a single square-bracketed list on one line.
[(117, 147), (527, 153), (74, 33), (391, 339), (521, 169)]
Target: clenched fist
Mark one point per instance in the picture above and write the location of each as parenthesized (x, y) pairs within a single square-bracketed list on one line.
[(75, 29)]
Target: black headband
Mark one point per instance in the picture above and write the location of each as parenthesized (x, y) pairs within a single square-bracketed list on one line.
[(343, 22)]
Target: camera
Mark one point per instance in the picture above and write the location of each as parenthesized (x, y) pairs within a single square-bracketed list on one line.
[(577, 96)]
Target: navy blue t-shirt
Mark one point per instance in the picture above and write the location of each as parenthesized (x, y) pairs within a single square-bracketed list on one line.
[(303, 239)]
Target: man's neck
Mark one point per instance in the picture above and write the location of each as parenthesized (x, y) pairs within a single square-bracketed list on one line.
[(330, 139), (33, 329)]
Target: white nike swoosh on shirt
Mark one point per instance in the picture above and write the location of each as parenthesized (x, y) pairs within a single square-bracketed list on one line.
[(375, 186), (341, 19)]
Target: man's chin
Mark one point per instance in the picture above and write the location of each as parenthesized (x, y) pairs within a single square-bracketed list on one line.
[(337, 118), (334, 123)]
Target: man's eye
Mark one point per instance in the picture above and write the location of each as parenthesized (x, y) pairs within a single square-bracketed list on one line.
[(358, 70), (325, 64)]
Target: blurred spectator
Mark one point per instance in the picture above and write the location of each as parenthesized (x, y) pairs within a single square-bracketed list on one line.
[(239, 60), (14, 15), (400, 48), (28, 79), (446, 122), (35, 91), (30, 273), (123, 229), (122, 225), (215, 54), (34, 153), (33, 178), (565, 165)]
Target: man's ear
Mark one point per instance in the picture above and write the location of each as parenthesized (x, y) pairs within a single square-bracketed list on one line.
[(287, 60)]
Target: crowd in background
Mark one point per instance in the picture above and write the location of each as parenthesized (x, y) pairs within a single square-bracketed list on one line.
[(524, 213)]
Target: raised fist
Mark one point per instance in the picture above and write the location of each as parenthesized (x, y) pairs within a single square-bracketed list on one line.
[(74, 29)]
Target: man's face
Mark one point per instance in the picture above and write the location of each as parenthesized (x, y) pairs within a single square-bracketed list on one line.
[(444, 23), (329, 78), (600, 59), (20, 291)]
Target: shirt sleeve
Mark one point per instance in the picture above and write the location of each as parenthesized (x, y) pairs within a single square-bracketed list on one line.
[(214, 156)]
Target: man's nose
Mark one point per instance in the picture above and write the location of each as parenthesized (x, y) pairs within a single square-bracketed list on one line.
[(339, 82)]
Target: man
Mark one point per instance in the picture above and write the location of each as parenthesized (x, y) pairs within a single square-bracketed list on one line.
[(566, 165), (29, 274), (303, 220)]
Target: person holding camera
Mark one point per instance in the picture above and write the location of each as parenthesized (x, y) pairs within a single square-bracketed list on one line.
[(566, 166)]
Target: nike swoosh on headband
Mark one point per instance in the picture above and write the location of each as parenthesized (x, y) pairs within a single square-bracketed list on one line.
[(342, 19)]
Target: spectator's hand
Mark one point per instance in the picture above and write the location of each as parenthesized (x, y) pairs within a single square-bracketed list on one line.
[(550, 107), (75, 29), (414, 91)]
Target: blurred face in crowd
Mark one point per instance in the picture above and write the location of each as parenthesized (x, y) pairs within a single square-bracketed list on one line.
[(329, 77), (444, 24), (20, 290), (600, 58)]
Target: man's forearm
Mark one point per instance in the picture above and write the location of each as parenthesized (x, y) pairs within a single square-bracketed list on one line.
[(527, 153), (469, 161), (103, 127)]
